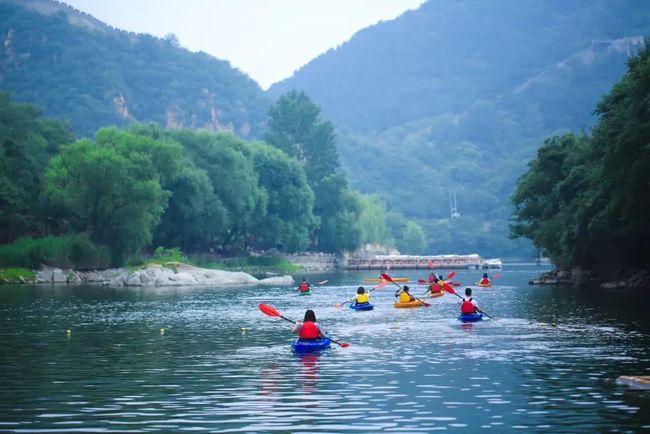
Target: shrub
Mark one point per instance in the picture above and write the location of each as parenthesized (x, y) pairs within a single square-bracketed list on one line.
[(69, 251)]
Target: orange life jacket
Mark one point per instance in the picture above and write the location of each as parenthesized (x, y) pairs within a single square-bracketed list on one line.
[(308, 330)]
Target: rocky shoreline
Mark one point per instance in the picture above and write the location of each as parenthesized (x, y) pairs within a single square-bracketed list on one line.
[(173, 274), (578, 277)]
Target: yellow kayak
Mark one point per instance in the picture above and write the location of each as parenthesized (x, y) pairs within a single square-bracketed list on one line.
[(410, 304), (436, 294), (395, 279)]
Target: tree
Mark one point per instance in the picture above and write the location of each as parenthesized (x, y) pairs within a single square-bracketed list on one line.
[(110, 190), (296, 128), (289, 218), (27, 142)]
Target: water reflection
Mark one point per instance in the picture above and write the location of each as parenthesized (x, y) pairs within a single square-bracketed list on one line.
[(417, 370)]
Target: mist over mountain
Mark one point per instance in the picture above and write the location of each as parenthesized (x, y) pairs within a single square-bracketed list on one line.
[(77, 68)]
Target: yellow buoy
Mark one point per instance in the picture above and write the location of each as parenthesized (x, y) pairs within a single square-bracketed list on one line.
[(244, 329), (162, 331), (68, 331)]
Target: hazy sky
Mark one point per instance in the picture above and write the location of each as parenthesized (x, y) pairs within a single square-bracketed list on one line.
[(267, 39)]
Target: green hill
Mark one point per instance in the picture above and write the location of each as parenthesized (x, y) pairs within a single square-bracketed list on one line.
[(77, 68), (456, 96)]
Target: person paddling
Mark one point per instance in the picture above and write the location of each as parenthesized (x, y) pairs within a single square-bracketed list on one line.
[(484, 280), (432, 278), (404, 295), (469, 305), (435, 287), (304, 286), (309, 328), (362, 296)]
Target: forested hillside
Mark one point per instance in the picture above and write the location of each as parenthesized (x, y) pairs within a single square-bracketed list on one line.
[(584, 199), (79, 69), (456, 96)]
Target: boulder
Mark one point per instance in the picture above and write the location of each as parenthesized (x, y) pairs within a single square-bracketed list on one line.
[(279, 280), (58, 276), (182, 278)]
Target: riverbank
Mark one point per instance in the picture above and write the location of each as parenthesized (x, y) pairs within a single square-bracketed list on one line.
[(603, 279), (169, 274)]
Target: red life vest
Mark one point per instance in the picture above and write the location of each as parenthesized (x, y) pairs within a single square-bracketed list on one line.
[(308, 330), (304, 287), (467, 307), (484, 281)]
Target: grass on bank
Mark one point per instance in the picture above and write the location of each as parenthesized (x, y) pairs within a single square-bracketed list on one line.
[(16, 275)]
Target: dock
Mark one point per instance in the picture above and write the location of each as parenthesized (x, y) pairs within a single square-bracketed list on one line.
[(407, 262)]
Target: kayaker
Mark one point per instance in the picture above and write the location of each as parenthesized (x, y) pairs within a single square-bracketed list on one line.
[(435, 287), (362, 296), (432, 278), (469, 305), (304, 286), (484, 280), (404, 295), (309, 328)]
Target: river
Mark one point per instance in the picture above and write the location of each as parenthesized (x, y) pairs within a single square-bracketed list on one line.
[(176, 359)]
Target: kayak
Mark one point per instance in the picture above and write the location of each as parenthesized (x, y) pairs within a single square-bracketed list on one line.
[(362, 306), (484, 285), (409, 304), (470, 317), (307, 345), (304, 293), (395, 279), (436, 294)]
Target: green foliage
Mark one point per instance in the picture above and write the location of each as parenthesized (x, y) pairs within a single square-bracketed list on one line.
[(110, 189), (70, 251), (296, 128), (584, 200), (162, 255), (16, 275), (27, 142), (374, 229), (95, 75), (448, 99)]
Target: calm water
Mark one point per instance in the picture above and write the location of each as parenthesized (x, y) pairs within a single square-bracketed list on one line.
[(407, 370)]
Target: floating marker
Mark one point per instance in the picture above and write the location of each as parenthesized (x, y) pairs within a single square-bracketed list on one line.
[(162, 331), (68, 331)]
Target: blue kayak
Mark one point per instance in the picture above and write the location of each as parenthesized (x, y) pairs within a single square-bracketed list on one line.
[(362, 306), (470, 317), (307, 345)]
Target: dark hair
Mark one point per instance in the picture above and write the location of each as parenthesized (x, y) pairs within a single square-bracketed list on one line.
[(440, 276), (406, 288), (468, 292), (361, 290), (310, 316), (485, 275)]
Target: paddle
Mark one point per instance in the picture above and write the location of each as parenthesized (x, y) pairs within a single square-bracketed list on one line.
[(387, 278), (271, 311), (340, 305)]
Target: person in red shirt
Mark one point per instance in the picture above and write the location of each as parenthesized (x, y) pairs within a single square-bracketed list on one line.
[(304, 286)]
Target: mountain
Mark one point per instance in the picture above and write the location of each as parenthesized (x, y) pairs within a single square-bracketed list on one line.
[(455, 97), (77, 68), (448, 54)]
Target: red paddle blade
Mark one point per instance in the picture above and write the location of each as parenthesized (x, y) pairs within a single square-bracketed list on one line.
[(422, 282), (448, 288), (496, 276), (344, 344), (386, 277), (382, 284), (450, 275), (268, 310), (456, 284)]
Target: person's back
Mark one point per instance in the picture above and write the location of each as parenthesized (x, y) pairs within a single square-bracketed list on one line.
[(468, 306), (362, 296), (484, 280), (309, 329), (304, 286), (405, 296)]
